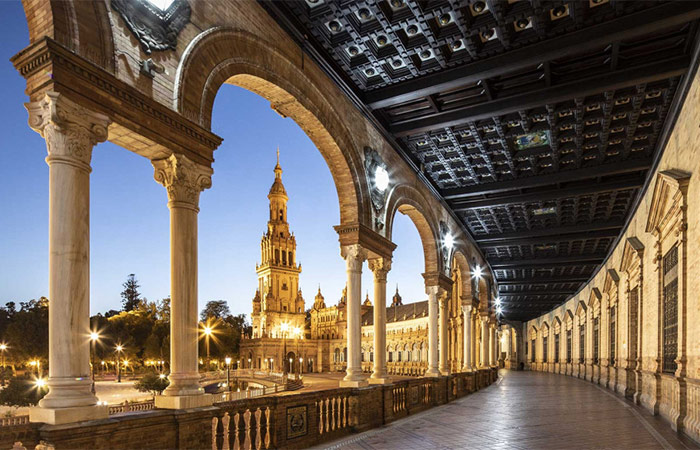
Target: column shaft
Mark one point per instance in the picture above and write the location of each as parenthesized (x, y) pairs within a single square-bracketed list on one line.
[(183, 180), (354, 256), (484, 343), (444, 365), (432, 332), (380, 267), (467, 364), (70, 132)]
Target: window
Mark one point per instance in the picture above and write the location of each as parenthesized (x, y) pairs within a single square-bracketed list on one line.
[(582, 344), (568, 345), (532, 351), (613, 332), (544, 348), (634, 300), (596, 339), (556, 348), (670, 310)]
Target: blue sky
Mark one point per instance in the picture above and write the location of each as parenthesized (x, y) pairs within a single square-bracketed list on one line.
[(129, 216)]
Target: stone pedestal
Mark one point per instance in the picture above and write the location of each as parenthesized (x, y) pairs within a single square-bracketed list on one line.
[(183, 401), (380, 267), (71, 132), (354, 256), (183, 180)]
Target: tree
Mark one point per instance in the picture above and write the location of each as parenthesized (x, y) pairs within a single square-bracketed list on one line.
[(131, 295), (215, 309), (28, 333), (153, 383), (22, 391)]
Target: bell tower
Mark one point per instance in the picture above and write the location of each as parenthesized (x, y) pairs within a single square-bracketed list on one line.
[(280, 299)]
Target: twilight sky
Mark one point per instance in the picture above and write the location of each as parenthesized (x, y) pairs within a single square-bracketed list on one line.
[(129, 215)]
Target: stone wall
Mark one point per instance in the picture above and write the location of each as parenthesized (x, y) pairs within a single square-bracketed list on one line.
[(285, 421), (631, 283)]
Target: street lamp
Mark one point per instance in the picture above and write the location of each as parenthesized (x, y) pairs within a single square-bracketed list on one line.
[(119, 349), (284, 327), (3, 349), (228, 373), (94, 337)]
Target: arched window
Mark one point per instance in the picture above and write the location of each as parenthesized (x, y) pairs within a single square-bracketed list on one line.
[(277, 256), (291, 258)]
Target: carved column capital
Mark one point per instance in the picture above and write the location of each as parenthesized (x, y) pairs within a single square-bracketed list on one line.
[(183, 179), (466, 309), (70, 130), (380, 267), (443, 298), (354, 256)]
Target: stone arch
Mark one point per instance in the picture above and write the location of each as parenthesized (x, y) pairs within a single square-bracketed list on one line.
[(74, 25), (407, 200), (461, 264), (223, 55)]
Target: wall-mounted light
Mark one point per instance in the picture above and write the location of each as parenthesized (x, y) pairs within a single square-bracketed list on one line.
[(381, 178), (449, 241), (499, 310), (497, 301), (476, 273)]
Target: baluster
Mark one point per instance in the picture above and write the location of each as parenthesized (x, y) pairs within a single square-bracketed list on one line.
[(258, 434), (327, 414), (345, 412), (267, 427), (333, 413), (214, 426), (226, 420), (320, 416), (236, 430), (246, 418)]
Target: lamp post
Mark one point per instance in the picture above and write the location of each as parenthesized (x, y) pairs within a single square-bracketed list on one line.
[(207, 330), (228, 373), (3, 349), (284, 328), (119, 349), (94, 336)]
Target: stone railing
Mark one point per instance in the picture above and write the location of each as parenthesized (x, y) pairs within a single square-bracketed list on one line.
[(249, 393), (290, 421), (405, 368), (131, 407), (14, 420), (307, 419)]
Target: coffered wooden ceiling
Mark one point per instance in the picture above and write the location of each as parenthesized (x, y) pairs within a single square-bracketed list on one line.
[(537, 122)]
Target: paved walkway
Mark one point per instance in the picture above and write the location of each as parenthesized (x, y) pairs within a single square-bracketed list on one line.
[(526, 410)]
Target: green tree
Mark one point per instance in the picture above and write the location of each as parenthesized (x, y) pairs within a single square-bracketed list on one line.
[(153, 383), (131, 295), (215, 309)]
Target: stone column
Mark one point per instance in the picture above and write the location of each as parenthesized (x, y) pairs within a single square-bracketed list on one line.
[(444, 365), (484, 342), (380, 267), (183, 180), (432, 292), (354, 256), (467, 312), (492, 345), (71, 131)]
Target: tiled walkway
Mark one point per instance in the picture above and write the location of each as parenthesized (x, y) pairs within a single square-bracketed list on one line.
[(526, 410)]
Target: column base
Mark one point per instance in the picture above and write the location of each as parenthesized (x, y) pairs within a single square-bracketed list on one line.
[(444, 372), (354, 383), (58, 416), (379, 380), (432, 373), (183, 401)]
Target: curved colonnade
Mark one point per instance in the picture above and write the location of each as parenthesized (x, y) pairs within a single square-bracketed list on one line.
[(90, 80), (634, 327)]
